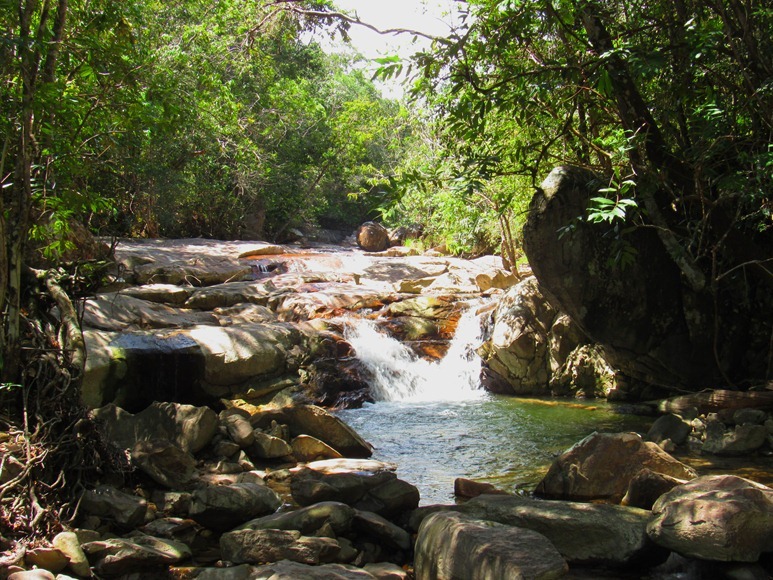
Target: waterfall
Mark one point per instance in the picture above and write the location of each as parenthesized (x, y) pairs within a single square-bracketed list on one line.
[(397, 374)]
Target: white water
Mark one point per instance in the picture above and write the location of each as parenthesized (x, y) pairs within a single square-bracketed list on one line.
[(397, 374)]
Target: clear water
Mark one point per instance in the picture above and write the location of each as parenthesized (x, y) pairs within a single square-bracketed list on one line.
[(433, 420), (504, 441)]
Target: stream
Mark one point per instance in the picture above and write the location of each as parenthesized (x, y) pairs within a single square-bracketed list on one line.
[(434, 421)]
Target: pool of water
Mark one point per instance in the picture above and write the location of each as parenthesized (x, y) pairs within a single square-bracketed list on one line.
[(505, 441)]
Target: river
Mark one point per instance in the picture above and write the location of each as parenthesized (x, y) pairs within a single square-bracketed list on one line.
[(434, 421)]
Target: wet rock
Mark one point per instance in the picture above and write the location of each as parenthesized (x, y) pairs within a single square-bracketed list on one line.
[(255, 546), (308, 520), (164, 463), (718, 517), (306, 448), (191, 428), (372, 237), (315, 421), (602, 465), (140, 553), (106, 502), (646, 487), (671, 427), (450, 545), (583, 533), (69, 544), (223, 507)]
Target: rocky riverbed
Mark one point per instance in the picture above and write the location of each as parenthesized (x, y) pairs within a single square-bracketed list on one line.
[(211, 368)]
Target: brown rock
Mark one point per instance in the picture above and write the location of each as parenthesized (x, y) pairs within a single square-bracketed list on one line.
[(601, 467), (372, 237)]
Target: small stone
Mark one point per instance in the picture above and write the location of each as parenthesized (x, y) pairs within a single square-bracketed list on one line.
[(266, 446), (307, 448), (50, 559)]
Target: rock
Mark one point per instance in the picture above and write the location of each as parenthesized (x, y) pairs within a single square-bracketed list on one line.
[(256, 546), (243, 314), (266, 446), (126, 510), (372, 237), (716, 517), (239, 428), (671, 427), (376, 490), (262, 250), (749, 417), (386, 571), (741, 440), (308, 520), (161, 293), (31, 575), (307, 448), (385, 532), (469, 488), (516, 355), (140, 553), (164, 463), (583, 533), (646, 487), (315, 421), (176, 503), (228, 295), (191, 428), (433, 307), (194, 272), (602, 465), (288, 570), (121, 312), (495, 278), (51, 559), (223, 507), (241, 572), (69, 544), (454, 546), (669, 335), (585, 373)]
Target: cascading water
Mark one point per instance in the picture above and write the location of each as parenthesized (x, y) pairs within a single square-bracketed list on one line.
[(397, 374)]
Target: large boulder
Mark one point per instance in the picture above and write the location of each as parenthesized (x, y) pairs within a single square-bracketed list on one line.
[(308, 520), (717, 517), (450, 545), (601, 467), (656, 320), (373, 237), (118, 556), (583, 533), (106, 502)]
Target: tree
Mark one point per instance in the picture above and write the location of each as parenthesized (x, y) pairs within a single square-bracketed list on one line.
[(670, 101)]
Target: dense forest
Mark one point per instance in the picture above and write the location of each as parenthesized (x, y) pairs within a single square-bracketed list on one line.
[(229, 120)]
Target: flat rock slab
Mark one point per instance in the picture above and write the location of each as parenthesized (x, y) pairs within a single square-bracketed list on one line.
[(451, 545)]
